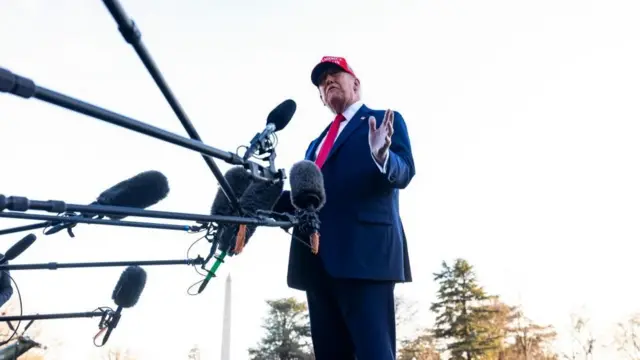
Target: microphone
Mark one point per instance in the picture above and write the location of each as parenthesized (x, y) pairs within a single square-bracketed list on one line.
[(141, 191), (238, 179), (21, 345), (18, 248), (126, 294), (277, 119), (259, 195), (308, 197)]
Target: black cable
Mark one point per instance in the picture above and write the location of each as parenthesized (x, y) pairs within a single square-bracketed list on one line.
[(107, 311), (15, 331), (209, 229), (49, 224), (195, 266)]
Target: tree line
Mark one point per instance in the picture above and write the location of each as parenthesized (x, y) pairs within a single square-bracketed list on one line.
[(470, 324)]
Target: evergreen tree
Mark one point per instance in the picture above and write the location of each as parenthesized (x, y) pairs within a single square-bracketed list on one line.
[(287, 332), (463, 315)]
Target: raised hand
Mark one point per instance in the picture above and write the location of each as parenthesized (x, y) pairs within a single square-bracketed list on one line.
[(380, 138)]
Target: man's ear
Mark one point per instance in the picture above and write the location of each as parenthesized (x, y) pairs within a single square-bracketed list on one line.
[(321, 98), (356, 84)]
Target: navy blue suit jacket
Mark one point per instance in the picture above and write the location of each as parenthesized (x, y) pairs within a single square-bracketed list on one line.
[(361, 232)]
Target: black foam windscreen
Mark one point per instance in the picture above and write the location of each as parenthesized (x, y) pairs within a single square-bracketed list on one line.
[(140, 191), (18, 248), (307, 185), (129, 287), (238, 179), (282, 114), (260, 195)]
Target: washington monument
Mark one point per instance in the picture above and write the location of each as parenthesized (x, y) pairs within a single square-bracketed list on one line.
[(225, 353)]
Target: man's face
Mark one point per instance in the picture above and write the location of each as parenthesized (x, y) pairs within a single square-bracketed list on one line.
[(338, 89)]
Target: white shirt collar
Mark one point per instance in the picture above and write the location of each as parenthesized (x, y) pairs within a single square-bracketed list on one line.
[(352, 110)]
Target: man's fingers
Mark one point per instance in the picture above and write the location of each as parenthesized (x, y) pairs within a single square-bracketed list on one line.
[(390, 127), (372, 123), (387, 113)]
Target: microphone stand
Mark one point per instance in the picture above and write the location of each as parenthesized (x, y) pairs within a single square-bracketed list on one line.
[(132, 35), (55, 266)]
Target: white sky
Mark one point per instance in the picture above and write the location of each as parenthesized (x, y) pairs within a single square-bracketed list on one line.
[(523, 117)]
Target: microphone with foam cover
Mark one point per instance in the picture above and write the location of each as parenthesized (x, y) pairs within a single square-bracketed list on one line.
[(238, 179), (18, 248), (231, 238), (277, 119), (308, 197), (261, 195), (307, 186), (129, 287), (141, 191), (126, 294)]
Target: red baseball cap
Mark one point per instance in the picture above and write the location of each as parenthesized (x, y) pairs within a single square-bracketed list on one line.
[(326, 63)]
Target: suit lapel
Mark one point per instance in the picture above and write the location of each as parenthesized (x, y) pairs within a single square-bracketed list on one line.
[(355, 122), (311, 154)]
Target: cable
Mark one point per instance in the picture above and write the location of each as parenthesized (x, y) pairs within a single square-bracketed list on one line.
[(209, 234), (195, 266), (15, 331), (104, 323)]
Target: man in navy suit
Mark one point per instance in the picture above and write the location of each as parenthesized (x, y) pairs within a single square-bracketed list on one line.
[(365, 157)]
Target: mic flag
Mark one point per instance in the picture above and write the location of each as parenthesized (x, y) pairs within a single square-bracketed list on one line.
[(18, 248), (141, 191), (126, 294), (277, 119), (308, 197)]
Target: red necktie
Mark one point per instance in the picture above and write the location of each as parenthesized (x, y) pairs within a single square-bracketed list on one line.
[(329, 140)]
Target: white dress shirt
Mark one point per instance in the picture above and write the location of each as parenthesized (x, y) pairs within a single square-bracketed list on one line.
[(348, 115)]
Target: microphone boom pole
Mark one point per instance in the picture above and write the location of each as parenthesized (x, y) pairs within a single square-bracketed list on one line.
[(26, 88), (132, 35), (76, 315), (55, 266), (24, 228), (72, 220), (21, 204)]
